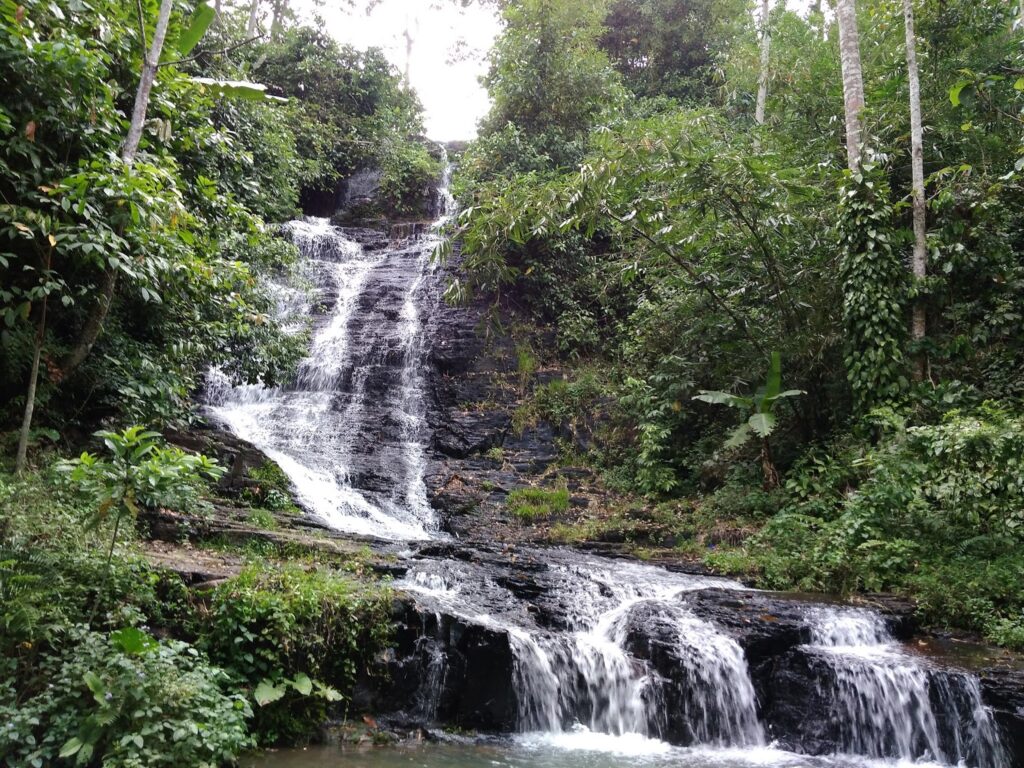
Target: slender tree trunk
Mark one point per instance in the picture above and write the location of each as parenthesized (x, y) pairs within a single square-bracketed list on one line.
[(762, 80), (771, 474), (254, 12), (920, 257), (30, 396), (149, 68), (277, 23), (151, 62), (853, 81)]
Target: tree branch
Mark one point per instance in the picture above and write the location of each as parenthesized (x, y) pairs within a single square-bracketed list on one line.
[(219, 52)]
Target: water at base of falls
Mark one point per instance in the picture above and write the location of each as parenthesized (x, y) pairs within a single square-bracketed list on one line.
[(591, 683), (587, 678)]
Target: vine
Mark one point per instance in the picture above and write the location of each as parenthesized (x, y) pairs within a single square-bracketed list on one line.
[(874, 290)]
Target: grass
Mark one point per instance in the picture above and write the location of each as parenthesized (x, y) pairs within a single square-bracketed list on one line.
[(534, 504)]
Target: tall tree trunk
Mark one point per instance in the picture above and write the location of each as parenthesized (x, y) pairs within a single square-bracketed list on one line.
[(30, 396), (254, 12), (920, 258), (853, 81), (277, 22), (150, 64), (762, 80)]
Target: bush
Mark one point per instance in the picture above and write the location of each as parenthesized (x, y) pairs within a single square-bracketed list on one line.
[(272, 627), (933, 510), (124, 699)]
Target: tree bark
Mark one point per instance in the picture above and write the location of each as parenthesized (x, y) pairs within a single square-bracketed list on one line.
[(919, 262), (853, 81), (762, 80), (21, 459), (254, 12), (149, 67), (150, 64)]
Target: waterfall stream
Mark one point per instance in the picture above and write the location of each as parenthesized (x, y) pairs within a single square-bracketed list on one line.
[(350, 432)]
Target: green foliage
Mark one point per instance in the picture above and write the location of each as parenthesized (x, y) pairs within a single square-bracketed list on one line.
[(668, 47), (934, 510), (534, 504), (138, 470), (762, 421), (409, 176), (124, 699), (873, 293), (275, 629), (273, 490)]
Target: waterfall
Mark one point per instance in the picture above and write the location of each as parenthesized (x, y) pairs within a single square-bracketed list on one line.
[(618, 653), (587, 677), (349, 430), (888, 703)]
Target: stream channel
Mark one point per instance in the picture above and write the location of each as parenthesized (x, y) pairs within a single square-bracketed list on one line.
[(566, 659)]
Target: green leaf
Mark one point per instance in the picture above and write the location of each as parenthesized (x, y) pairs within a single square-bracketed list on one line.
[(96, 686), (267, 693), (302, 684), (201, 21), (1019, 85), (721, 398), (774, 381), (954, 92), (763, 424), (241, 89), (133, 641), (738, 437), (71, 747), (790, 393)]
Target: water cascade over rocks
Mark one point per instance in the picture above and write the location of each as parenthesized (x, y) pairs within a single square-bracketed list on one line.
[(888, 704), (349, 431), (555, 641)]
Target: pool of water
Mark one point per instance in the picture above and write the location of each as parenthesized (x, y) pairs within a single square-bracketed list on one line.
[(567, 750)]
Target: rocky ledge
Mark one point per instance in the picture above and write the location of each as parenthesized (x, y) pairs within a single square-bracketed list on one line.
[(448, 670)]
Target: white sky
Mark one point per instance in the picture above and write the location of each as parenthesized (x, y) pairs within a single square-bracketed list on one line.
[(448, 55), (444, 73)]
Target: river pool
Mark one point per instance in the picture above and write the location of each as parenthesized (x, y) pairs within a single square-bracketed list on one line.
[(570, 750)]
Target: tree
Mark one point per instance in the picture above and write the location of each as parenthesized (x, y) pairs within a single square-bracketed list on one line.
[(762, 80), (919, 262), (853, 81), (94, 323)]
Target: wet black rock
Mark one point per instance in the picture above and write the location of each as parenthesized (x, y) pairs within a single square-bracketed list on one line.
[(443, 669)]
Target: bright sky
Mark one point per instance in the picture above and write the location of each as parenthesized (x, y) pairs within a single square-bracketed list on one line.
[(449, 46)]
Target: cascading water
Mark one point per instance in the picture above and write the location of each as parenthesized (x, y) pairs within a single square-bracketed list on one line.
[(350, 433), (888, 703), (349, 430), (586, 677)]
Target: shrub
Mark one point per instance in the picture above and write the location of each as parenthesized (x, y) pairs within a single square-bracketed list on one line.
[(934, 510), (124, 700), (276, 628)]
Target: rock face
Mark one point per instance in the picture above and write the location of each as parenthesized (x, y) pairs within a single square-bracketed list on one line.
[(445, 670)]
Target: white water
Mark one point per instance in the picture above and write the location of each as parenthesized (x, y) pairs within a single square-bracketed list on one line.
[(349, 431), (585, 680), (889, 703)]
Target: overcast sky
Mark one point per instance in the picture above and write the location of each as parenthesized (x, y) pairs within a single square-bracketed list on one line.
[(449, 45), (448, 55)]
